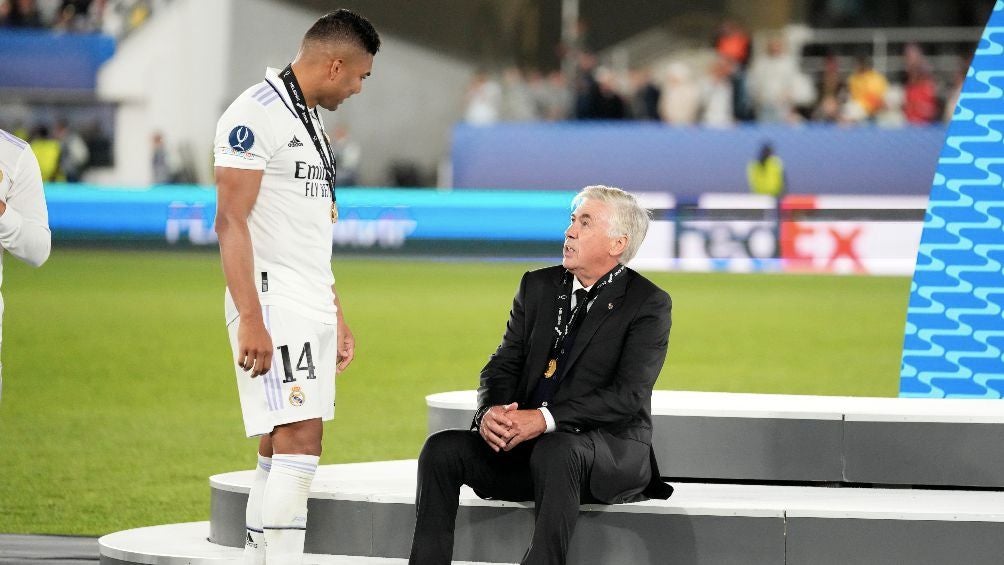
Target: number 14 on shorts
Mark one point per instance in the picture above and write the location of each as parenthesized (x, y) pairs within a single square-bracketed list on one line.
[(304, 363)]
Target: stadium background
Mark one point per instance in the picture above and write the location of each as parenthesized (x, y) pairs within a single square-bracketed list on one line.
[(118, 398)]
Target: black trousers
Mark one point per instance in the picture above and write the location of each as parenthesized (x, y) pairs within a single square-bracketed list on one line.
[(552, 470)]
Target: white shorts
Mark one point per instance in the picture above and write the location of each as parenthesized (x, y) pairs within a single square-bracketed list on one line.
[(300, 384)]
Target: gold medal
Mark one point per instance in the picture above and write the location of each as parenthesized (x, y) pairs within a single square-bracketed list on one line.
[(552, 366), (334, 213)]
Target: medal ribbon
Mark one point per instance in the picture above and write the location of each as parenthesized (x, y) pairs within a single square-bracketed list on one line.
[(563, 302), (323, 149)]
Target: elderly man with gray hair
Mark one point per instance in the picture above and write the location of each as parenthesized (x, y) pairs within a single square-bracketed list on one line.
[(564, 411)]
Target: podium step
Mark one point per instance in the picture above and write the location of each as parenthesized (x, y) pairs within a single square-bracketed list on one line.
[(776, 437), (368, 509), (187, 544)]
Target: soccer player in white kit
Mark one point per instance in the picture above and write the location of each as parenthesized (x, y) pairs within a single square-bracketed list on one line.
[(275, 209), (24, 220)]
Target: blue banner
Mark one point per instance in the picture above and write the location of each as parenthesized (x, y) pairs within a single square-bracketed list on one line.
[(46, 59), (690, 161), (370, 217)]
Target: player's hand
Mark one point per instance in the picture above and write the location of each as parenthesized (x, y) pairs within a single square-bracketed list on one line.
[(526, 425), (495, 426), (346, 345), (3, 207), (254, 346)]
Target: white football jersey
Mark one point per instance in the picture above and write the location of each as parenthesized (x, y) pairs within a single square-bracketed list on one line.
[(24, 227), (290, 224)]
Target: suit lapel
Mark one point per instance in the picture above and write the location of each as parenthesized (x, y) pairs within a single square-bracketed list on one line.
[(606, 302), (543, 334)]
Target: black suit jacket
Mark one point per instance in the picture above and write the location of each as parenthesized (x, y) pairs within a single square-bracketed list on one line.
[(606, 383)]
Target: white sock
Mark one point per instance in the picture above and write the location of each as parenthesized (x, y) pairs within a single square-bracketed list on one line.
[(284, 507), (254, 544)]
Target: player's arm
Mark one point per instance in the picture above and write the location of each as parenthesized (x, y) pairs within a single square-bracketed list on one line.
[(346, 341), (236, 192), (24, 220)]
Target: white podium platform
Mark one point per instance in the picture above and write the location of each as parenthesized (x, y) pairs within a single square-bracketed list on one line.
[(368, 509), (747, 471), (774, 437)]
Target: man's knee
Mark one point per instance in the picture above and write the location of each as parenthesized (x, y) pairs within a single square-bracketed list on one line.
[(445, 447), (558, 451)]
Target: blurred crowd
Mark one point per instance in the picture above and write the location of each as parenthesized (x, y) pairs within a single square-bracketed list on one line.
[(111, 17), (63, 154), (720, 87), (66, 151)]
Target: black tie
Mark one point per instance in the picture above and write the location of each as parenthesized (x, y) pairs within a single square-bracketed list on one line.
[(545, 389), (580, 300)]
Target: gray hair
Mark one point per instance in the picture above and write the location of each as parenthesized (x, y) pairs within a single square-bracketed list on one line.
[(627, 217)]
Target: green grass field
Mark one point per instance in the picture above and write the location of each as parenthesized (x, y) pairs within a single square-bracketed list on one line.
[(119, 398)]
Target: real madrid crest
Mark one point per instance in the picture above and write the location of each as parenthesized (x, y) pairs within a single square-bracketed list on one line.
[(1, 175), (296, 397)]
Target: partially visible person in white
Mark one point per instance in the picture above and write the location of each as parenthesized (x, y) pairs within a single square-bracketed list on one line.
[(24, 220), (484, 101), (773, 80), (718, 109), (681, 96)]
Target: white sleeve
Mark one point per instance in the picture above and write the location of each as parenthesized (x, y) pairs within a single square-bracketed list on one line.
[(549, 423), (24, 226), (245, 138)]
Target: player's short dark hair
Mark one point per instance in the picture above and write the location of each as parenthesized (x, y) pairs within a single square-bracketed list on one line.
[(345, 25)]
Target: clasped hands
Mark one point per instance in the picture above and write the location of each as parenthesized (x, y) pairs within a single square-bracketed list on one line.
[(505, 427)]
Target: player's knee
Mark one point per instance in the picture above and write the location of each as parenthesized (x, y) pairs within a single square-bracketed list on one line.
[(298, 438), (265, 446)]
